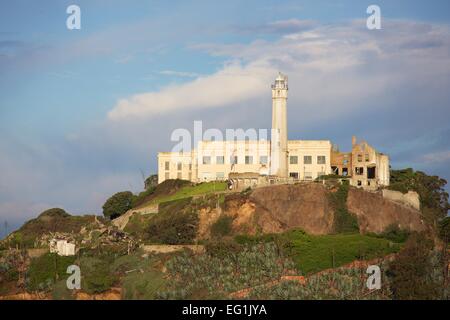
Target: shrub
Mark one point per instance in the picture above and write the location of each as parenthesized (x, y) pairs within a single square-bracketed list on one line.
[(142, 197), (176, 223), (117, 204), (60, 291), (96, 276), (412, 274), (394, 233), (45, 270), (222, 226), (344, 221)]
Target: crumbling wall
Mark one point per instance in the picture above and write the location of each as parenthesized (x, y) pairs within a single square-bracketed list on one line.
[(411, 198), (375, 213)]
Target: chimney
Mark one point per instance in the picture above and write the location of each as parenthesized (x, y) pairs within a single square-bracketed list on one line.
[(353, 141)]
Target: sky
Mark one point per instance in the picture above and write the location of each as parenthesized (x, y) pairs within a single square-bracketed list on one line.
[(84, 112)]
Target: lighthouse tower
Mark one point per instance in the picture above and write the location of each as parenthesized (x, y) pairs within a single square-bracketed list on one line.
[(279, 148)]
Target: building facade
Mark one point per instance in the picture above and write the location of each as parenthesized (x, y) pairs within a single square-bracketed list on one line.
[(279, 158)]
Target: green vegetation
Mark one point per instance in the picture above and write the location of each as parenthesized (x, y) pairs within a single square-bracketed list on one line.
[(344, 221), (176, 223), (315, 253), (444, 230), (46, 270), (209, 276), (117, 204), (96, 274), (52, 220), (348, 284), (193, 190), (417, 272), (151, 182), (140, 199), (393, 233), (222, 227), (433, 197), (140, 275), (60, 291)]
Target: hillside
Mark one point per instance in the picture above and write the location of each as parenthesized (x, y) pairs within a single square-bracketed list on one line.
[(237, 244)]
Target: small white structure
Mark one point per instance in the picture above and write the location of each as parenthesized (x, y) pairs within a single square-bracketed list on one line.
[(62, 247)]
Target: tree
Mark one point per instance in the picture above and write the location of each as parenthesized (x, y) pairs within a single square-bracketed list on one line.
[(444, 229), (431, 189), (117, 204), (417, 271), (151, 181)]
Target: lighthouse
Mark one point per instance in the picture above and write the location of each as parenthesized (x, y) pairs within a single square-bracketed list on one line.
[(279, 147)]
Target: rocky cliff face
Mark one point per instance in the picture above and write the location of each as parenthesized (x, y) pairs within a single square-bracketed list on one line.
[(279, 208), (375, 213)]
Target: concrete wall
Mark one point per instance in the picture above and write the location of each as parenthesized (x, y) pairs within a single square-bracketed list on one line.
[(411, 198)]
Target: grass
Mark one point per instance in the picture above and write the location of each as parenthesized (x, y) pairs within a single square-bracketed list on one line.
[(191, 191), (315, 253)]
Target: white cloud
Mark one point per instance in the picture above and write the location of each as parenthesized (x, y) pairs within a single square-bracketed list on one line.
[(232, 84), (182, 74), (333, 69)]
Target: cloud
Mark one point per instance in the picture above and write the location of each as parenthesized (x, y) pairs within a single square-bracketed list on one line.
[(334, 70), (179, 74), (231, 84)]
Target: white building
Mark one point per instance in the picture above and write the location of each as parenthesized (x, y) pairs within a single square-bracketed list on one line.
[(62, 247), (279, 157)]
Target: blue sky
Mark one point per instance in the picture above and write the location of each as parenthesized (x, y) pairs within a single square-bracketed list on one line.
[(83, 112)]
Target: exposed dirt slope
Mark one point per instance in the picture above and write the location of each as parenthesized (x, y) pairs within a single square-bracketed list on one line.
[(278, 208), (375, 213), (275, 209)]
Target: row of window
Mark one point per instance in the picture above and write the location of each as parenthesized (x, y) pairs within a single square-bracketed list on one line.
[(179, 166), (264, 159), (308, 160), (234, 160), (307, 175), (366, 157), (249, 160)]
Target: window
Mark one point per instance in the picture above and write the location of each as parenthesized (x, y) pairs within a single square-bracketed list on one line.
[(344, 172), (293, 159), (248, 160), (359, 157), (220, 160), (206, 160), (359, 183), (167, 165), (179, 166), (233, 159), (359, 171), (190, 166), (307, 159), (166, 176), (321, 160), (345, 162), (308, 175), (293, 175), (367, 158), (263, 159), (179, 175), (220, 175)]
